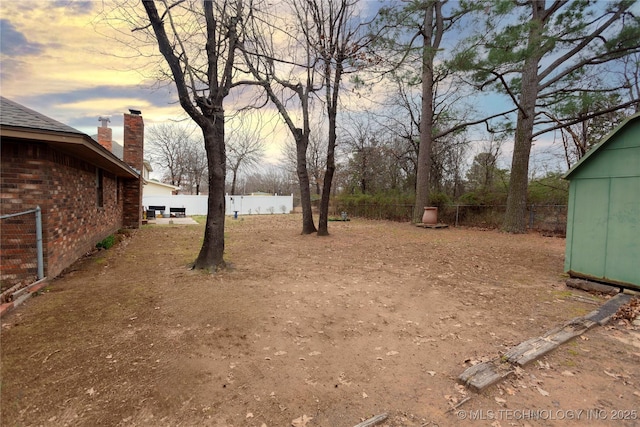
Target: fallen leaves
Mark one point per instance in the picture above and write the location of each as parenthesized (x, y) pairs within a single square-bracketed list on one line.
[(628, 311), (301, 421), (542, 392)]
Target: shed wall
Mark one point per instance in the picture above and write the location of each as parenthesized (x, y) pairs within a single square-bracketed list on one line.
[(603, 225)]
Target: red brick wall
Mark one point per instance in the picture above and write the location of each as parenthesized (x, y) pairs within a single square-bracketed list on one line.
[(65, 188), (18, 263)]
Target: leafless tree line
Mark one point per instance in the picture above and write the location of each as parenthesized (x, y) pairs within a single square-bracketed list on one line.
[(313, 57)]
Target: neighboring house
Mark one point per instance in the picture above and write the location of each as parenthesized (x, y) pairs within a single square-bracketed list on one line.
[(150, 187), (156, 188), (153, 187), (603, 221), (85, 192)]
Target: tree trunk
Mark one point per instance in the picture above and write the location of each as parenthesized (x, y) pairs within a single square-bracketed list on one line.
[(515, 217), (211, 256), (323, 228), (426, 117), (332, 115), (233, 181), (302, 142)]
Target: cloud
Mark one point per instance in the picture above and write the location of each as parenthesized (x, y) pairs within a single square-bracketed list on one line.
[(14, 43), (75, 7), (110, 96)]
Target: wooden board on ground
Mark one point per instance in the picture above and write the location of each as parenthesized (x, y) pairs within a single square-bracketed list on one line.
[(532, 349), (482, 375), (432, 225), (603, 314)]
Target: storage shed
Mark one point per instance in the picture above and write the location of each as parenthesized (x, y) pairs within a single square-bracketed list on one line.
[(603, 221)]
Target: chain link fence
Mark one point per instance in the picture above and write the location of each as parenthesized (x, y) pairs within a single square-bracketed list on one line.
[(549, 219), (21, 256)]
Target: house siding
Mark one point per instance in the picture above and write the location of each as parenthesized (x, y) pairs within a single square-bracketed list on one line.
[(34, 174)]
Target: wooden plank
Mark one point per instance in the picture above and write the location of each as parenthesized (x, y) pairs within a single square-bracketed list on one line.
[(485, 374), (603, 314), (590, 286), (482, 375), (529, 350), (432, 225), (532, 349)]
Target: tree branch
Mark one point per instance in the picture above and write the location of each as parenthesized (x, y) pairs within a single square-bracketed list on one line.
[(586, 117)]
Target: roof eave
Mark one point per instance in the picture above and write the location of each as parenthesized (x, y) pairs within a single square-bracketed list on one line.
[(76, 144), (599, 145)]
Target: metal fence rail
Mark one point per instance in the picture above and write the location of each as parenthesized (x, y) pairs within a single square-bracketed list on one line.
[(21, 250)]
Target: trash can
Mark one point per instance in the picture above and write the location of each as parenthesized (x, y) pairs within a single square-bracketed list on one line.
[(235, 214)]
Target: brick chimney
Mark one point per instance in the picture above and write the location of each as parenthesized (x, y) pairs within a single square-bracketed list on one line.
[(133, 155), (134, 140), (104, 134)]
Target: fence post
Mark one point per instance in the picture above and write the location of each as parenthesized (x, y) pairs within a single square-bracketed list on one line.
[(457, 209), (39, 243), (531, 216)]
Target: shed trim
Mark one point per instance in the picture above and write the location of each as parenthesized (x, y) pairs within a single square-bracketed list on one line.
[(599, 145)]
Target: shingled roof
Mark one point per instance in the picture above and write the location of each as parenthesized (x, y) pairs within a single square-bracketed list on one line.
[(20, 123), (16, 115)]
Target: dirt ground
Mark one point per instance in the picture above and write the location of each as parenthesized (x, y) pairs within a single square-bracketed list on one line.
[(308, 331)]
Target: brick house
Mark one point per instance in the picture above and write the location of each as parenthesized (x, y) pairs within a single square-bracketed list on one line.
[(85, 192)]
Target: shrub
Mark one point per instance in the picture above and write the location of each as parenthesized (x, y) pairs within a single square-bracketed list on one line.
[(107, 242)]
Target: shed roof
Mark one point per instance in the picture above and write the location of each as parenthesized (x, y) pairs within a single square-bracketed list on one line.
[(22, 123), (605, 141)]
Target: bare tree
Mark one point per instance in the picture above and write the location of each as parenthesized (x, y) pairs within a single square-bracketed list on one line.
[(630, 78), (198, 42), (168, 148), (316, 157), (272, 179), (341, 43), (290, 90), (245, 148), (196, 165)]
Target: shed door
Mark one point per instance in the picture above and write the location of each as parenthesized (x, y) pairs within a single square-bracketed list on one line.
[(589, 229), (623, 237)]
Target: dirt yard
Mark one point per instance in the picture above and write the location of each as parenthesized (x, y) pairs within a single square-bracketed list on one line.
[(307, 331)]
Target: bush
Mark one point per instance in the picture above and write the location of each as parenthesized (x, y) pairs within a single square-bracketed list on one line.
[(392, 206), (107, 242), (439, 199)]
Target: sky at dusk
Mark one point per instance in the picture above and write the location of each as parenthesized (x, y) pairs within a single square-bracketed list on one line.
[(59, 60), (64, 59)]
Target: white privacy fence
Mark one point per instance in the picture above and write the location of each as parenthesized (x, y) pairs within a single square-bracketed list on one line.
[(243, 205)]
